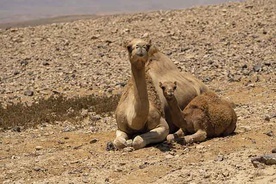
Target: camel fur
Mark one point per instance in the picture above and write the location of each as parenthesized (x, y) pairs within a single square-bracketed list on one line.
[(142, 114), (206, 116)]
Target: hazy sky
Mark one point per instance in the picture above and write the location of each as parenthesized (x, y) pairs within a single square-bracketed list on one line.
[(20, 10)]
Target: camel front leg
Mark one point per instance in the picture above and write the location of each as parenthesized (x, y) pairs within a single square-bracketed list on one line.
[(199, 136), (155, 135), (120, 141), (175, 136)]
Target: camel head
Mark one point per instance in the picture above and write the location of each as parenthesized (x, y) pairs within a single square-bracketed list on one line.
[(168, 89), (138, 52)]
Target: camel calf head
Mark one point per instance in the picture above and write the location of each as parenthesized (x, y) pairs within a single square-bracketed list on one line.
[(168, 89)]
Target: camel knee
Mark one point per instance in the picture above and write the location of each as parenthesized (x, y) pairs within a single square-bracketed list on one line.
[(120, 141)]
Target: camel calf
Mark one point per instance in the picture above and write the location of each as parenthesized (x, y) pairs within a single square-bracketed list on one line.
[(206, 116)]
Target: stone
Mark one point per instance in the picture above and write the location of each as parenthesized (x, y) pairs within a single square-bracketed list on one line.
[(93, 141), (110, 146), (257, 68), (38, 148), (28, 93)]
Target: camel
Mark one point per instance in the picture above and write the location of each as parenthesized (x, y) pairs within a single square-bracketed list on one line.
[(142, 114), (206, 116)]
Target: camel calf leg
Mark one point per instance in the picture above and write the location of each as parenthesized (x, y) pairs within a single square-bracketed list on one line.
[(199, 136), (120, 141), (178, 134), (155, 135)]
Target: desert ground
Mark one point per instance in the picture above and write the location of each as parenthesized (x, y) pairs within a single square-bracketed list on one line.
[(230, 47)]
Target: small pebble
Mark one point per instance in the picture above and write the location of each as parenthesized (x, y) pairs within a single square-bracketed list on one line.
[(38, 147), (93, 141)]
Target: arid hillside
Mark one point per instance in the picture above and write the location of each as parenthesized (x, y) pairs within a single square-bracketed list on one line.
[(60, 84)]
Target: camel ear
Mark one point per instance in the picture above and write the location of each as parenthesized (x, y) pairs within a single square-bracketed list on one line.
[(175, 85), (160, 84), (148, 45), (127, 45)]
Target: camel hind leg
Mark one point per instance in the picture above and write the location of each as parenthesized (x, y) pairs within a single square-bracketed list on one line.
[(199, 136), (230, 129)]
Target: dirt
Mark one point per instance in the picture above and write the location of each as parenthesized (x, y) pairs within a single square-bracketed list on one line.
[(230, 47)]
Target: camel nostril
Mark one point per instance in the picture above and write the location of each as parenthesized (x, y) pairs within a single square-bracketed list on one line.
[(140, 54)]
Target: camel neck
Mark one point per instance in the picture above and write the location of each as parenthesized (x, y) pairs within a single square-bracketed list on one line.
[(140, 84), (176, 113), (141, 101)]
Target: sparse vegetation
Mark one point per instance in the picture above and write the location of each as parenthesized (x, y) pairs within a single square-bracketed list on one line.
[(55, 108)]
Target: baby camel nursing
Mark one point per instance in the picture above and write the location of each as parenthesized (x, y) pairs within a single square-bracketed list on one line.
[(204, 117)]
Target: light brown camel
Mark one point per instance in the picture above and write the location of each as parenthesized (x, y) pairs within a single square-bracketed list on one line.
[(140, 113), (206, 116)]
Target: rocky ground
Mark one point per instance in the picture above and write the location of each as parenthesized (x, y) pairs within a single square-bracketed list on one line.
[(230, 47)]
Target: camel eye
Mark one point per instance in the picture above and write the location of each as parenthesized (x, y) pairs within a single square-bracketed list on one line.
[(174, 88), (163, 87)]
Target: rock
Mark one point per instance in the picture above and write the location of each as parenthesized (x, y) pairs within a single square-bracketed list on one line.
[(17, 129), (95, 117), (110, 146), (267, 63), (257, 68), (37, 168), (93, 141), (199, 146), (84, 112), (270, 133), (269, 159), (128, 149), (169, 156), (69, 128), (267, 118), (28, 93), (38, 148), (219, 158), (16, 72), (24, 63), (45, 63)]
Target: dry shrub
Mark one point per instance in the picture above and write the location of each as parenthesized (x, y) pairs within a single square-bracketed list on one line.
[(55, 108)]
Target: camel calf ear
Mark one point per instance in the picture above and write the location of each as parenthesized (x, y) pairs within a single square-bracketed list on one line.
[(148, 45), (127, 45), (160, 84), (175, 85)]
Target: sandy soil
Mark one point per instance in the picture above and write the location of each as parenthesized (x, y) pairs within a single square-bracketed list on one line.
[(230, 47)]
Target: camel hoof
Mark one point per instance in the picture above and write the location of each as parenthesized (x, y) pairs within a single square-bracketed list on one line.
[(170, 138), (138, 142), (129, 143)]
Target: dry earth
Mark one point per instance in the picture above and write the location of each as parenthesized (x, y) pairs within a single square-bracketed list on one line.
[(231, 47)]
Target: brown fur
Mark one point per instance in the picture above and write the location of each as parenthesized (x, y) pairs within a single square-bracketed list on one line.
[(139, 114), (204, 117)]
